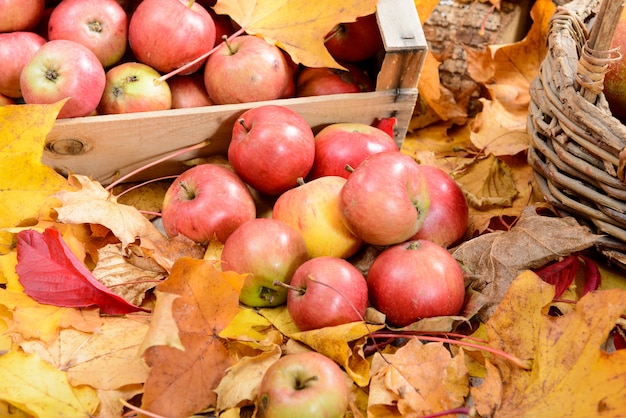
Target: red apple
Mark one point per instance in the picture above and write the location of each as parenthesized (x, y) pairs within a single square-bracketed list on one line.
[(355, 41), (325, 292), (267, 250), (342, 144), (615, 78), (385, 199), (167, 34), (271, 148), (247, 69), (188, 91), (130, 88), (20, 15), (313, 210), (223, 25), (304, 385), (101, 26), (447, 217), (206, 202), (4, 100), (16, 50), (415, 280), (61, 69), (321, 81)]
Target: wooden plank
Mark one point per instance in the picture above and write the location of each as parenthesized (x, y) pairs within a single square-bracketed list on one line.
[(107, 146)]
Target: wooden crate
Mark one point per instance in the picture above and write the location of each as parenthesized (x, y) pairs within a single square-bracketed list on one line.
[(108, 146)]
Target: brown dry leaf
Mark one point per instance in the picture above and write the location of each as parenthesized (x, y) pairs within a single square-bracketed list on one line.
[(25, 190), (495, 259), (91, 203), (123, 278), (107, 359), (110, 405), (239, 387), (499, 131), (565, 351), (208, 300), (421, 379), (297, 27)]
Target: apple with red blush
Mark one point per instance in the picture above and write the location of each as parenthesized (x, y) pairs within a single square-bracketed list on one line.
[(271, 148), (20, 15), (130, 87), (347, 144), (385, 199), (101, 26), (248, 69), (325, 292), (5, 100), (447, 217), (355, 41), (206, 202), (313, 210), (415, 280), (188, 91), (16, 50), (61, 69), (266, 250), (319, 81), (167, 34), (305, 385)]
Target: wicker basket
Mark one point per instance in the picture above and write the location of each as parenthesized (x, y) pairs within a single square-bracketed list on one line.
[(578, 149)]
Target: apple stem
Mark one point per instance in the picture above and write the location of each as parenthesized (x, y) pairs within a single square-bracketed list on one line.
[(300, 290), (302, 384), (521, 363), (228, 45), (242, 122), (349, 168), (204, 56), (300, 181), (155, 162), (190, 3)]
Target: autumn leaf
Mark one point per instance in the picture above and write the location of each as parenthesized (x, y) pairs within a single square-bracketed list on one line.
[(207, 301), (25, 193), (498, 131), (51, 274), (497, 258), (34, 386), (418, 379), (566, 353), (297, 27)]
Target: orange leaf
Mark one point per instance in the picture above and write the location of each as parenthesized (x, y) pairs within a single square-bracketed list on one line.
[(181, 383)]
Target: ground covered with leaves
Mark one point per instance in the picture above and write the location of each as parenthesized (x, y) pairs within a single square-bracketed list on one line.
[(101, 314)]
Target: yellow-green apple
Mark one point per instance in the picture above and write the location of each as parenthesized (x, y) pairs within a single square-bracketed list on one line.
[(206, 202), (304, 385), (355, 41), (415, 280), (313, 210), (247, 69), (188, 91), (267, 250), (101, 26), (385, 199), (130, 88), (448, 214), (16, 50), (326, 292), (347, 144), (271, 148), (318, 81), (167, 34), (61, 69), (20, 15)]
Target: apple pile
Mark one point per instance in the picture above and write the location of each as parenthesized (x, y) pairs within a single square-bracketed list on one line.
[(112, 57), (330, 195)]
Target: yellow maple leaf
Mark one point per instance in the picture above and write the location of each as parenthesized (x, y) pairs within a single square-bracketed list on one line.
[(26, 184), (571, 375), (298, 27), (34, 386)]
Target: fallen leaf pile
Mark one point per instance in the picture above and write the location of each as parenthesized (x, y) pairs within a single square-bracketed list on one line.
[(101, 315)]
